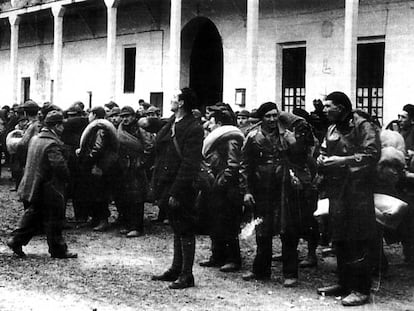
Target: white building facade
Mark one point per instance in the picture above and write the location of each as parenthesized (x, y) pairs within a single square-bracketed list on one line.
[(243, 52)]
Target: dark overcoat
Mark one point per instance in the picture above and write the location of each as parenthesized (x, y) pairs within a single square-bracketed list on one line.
[(350, 188), (45, 176), (225, 200), (174, 175), (268, 165)]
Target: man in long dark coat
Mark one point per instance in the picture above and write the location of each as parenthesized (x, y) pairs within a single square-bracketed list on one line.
[(74, 126), (43, 187), (97, 158), (222, 153), (348, 158), (275, 172), (178, 157), (130, 192)]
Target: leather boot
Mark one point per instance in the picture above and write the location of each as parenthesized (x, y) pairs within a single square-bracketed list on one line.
[(15, 247), (102, 226), (174, 271), (217, 254), (186, 278)]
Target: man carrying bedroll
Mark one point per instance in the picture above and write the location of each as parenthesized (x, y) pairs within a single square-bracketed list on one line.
[(43, 186)]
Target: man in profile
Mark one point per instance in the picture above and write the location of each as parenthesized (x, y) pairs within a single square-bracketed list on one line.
[(43, 188)]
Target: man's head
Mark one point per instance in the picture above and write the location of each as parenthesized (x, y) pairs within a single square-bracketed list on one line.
[(30, 108), (220, 118), (337, 107), (128, 115), (54, 121), (97, 112), (269, 114), (184, 100), (114, 117), (243, 118), (153, 112), (74, 111), (406, 116)]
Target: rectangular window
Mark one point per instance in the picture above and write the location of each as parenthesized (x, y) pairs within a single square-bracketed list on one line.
[(293, 78), (240, 97), (156, 99), (25, 89), (129, 69), (370, 78)]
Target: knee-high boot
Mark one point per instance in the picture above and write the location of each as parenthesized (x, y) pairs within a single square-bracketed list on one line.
[(186, 278), (175, 270)]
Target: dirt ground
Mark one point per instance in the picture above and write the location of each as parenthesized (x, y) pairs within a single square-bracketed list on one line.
[(113, 273)]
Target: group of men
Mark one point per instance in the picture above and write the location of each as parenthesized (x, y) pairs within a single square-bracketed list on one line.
[(273, 169)]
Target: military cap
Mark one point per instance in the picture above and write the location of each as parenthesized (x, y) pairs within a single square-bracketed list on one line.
[(54, 117), (127, 110), (114, 112), (30, 105), (244, 113)]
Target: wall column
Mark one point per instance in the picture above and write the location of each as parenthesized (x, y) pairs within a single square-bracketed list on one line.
[(58, 11), (350, 48), (111, 6), (173, 77), (14, 21), (252, 54)]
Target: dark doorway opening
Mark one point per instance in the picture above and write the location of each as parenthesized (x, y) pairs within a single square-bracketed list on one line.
[(370, 78), (202, 61), (293, 78)]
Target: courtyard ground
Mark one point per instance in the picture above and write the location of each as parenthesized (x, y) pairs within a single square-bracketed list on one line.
[(113, 273)]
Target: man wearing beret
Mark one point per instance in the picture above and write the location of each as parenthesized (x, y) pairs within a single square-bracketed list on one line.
[(43, 187), (274, 175)]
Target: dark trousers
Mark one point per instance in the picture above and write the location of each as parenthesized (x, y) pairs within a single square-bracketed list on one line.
[(263, 261), (99, 210), (33, 218), (225, 250), (132, 214), (354, 268)]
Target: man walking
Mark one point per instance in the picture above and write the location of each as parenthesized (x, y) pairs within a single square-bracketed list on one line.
[(42, 187)]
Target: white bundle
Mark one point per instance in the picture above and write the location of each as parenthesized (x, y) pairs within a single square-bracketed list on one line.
[(248, 230)]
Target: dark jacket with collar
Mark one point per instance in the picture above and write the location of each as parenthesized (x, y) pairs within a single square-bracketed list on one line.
[(174, 175), (46, 168)]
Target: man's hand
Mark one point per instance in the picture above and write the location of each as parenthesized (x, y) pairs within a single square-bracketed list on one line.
[(290, 137), (334, 161), (249, 200), (173, 202)]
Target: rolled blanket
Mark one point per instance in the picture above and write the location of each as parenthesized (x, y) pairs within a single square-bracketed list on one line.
[(129, 143), (13, 139), (392, 139), (219, 134), (94, 126)]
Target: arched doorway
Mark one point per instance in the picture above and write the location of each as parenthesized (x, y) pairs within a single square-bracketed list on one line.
[(202, 61)]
